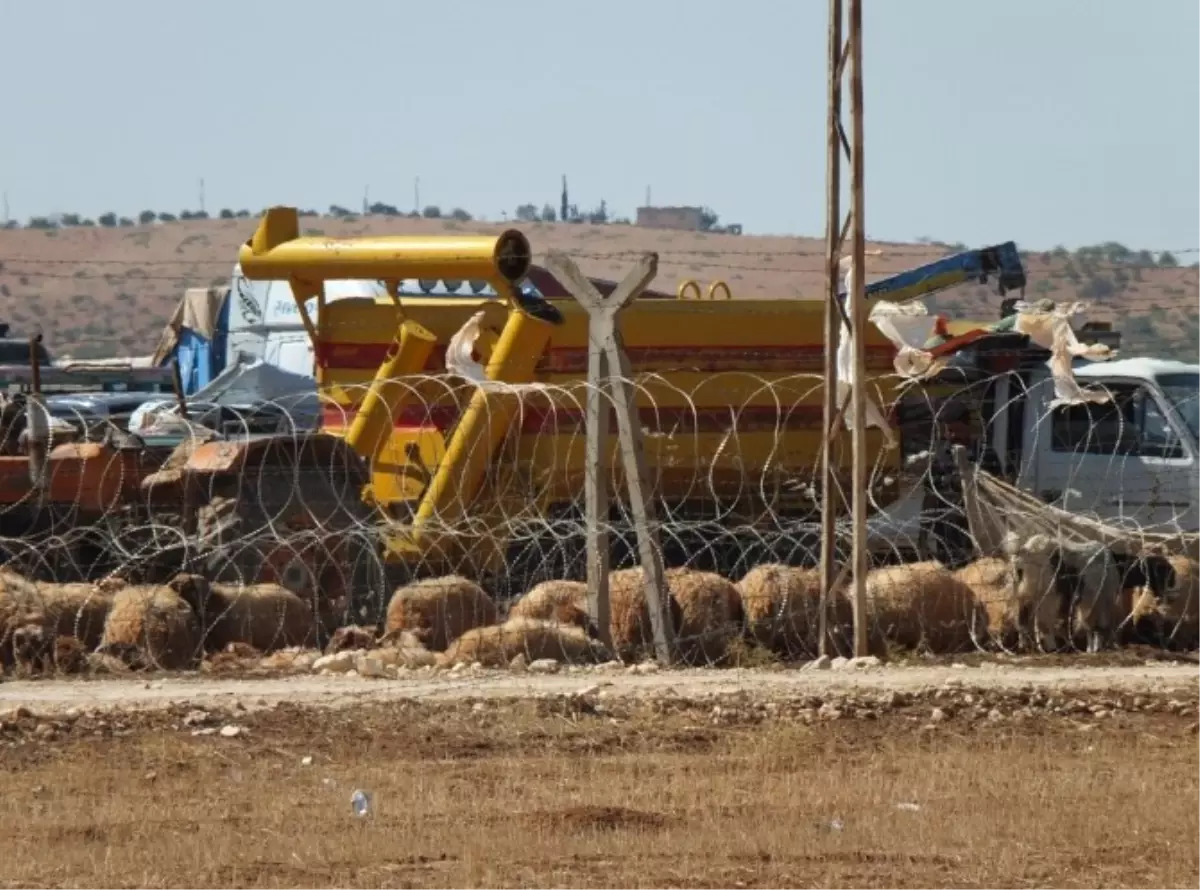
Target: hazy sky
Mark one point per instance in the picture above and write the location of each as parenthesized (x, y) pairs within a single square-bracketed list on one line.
[(1046, 121)]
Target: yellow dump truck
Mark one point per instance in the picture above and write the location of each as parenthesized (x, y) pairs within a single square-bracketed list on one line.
[(438, 473)]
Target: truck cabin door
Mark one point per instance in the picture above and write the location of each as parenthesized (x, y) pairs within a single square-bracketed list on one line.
[(1121, 461)]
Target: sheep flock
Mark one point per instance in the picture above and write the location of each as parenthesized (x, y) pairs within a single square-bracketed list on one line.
[(1039, 595)]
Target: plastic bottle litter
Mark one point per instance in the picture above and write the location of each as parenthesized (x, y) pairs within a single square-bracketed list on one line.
[(360, 802)]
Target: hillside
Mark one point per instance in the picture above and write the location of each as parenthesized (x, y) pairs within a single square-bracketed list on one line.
[(108, 291)]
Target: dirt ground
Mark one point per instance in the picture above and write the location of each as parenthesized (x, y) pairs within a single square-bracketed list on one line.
[(998, 776)]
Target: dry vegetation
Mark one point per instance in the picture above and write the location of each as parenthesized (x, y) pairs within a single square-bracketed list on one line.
[(108, 291), (1059, 790)]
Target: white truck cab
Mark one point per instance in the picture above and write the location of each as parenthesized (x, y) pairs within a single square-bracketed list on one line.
[(1133, 461)]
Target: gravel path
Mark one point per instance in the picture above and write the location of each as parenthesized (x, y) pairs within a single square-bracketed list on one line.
[(48, 696)]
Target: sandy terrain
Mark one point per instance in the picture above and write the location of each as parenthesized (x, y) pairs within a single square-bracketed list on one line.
[(337, 691), (1041, 776)]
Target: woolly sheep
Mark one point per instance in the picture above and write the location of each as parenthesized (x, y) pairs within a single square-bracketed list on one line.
[(438, 610), (920, 604), (266, 617), (351, 637), (1173, 614), (710, 614), (153, 626), (70, 655), (33, 648), (497, 645), (563, 602), (781, 606), (1041, 602), (1087, 580), (76, 610), (632, 632), (993, 583)]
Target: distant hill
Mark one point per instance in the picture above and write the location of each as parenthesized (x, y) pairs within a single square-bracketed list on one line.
[(108, 291)]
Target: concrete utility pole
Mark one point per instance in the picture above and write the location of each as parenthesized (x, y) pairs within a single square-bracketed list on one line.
[(853, 312)]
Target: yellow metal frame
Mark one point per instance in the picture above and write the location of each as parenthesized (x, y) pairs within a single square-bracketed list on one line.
[(277, 252)]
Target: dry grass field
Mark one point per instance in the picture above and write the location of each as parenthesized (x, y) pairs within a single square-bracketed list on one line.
[(104, 291), (954, 784)]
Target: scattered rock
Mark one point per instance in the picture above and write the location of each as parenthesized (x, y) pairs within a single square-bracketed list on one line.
[(937, 716), (337, 663), (608, 667), (231, 731), (370, 666), (646, 667), (544, 666), (519, 663), (865, 662)]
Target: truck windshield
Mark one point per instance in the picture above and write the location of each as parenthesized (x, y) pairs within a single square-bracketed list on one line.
[(1183, 392)]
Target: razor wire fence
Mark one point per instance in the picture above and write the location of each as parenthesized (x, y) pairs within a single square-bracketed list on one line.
[(237, 531)]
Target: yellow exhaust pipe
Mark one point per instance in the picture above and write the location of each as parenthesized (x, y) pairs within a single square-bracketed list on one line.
[(276, 252)]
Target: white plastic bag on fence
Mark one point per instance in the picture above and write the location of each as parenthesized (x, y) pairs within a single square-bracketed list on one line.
[(1052, 330), (460, 362), (847, 379), (909, 326)]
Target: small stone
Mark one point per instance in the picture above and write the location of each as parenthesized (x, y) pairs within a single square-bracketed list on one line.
[(646, 667), (44, 731), (519, 663), (231, 731), (478, 708), (208, 730), (371, 666), (937, 716), (609, 667), (995, 715), (460, 668), (337, 663), (306, 760), (150, 776), (828, 712), (195, 718), (864, 662), (544, 666), (839, 663)]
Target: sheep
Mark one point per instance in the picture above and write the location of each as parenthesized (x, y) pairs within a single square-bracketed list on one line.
[(438, 610), (33, 648), (78, 610), (70, 655), (1088, 579), (1172, 613), (1041, 604), (993, 583), (266, 617), (352, 637), (154, 626), (710, 614), (497, 645), (563, 602), (920, 604), (632, 632), (781, 608)]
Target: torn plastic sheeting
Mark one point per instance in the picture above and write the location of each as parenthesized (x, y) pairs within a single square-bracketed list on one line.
[(1050, 328), (846, 377), (909, 326), (459, 360)]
